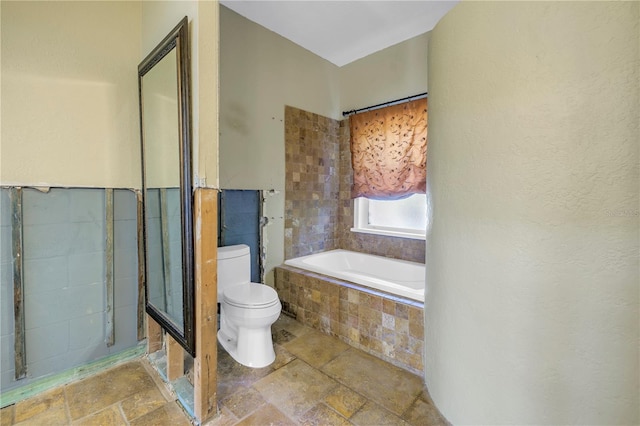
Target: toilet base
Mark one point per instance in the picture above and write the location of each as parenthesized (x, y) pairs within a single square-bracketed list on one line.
[(262, 354)]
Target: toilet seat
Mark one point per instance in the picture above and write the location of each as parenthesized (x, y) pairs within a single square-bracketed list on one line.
[(251, 295)]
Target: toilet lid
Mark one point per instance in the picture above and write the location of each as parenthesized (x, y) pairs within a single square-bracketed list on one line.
[(250, 294)]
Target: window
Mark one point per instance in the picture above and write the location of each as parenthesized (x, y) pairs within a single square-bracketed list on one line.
[(406, 218)]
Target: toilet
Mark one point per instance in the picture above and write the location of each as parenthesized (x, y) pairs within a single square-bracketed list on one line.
[(247, 309)]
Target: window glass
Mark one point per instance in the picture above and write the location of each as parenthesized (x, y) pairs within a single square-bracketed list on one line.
[(408, 213), (405, 218)]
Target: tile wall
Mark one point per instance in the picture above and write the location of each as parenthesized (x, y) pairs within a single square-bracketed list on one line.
[(64, 273), (311, 183), (318, 217), (383, 325), (318, 204)]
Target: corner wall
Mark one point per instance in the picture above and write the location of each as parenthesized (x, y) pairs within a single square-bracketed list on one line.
[(260, 73), (532, 252), (392, 73)]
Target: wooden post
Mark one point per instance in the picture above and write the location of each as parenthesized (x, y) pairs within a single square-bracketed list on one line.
[(206, 294), (154, 335), (175, 359)]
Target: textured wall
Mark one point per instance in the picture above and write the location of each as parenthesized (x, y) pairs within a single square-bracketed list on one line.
[(532, 255)]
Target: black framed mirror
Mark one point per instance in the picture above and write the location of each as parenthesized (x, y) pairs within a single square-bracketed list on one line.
[(167, 197)]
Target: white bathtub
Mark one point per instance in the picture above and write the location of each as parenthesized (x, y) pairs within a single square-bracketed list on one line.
[(399, 277)]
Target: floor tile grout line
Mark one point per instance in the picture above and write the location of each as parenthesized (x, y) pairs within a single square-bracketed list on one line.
[(237, 420), (93, 413), (323, 402), (404, 413), (321, 399), (369, 400), (319, 369), (123, 414), (66, 403), (339, 383)]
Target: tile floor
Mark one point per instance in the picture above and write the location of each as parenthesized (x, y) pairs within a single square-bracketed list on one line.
[(129, 394), (315, 380), (319, 380)]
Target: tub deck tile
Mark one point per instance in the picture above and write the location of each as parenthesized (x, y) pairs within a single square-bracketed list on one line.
[(383, 325)]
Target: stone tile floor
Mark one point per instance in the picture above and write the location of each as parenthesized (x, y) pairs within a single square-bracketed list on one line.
[(315, 380), (129, 394), (319, 380)]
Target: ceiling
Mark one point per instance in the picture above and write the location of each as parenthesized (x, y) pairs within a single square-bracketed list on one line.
[(343, 31)]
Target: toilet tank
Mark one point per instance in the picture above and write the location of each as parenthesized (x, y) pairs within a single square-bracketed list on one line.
[(234, 266)]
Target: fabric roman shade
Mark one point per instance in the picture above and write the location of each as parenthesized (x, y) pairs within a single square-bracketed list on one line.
[(389, 151)]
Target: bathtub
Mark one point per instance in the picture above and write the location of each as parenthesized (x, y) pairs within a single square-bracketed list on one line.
[(398, 277)]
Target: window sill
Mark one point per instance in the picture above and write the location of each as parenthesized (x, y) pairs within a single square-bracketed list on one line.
[(390, 233)]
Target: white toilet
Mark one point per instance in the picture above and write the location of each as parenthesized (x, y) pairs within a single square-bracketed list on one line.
[(247, 309)]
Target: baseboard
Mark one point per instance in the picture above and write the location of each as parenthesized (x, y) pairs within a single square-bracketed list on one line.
[(71, 375)]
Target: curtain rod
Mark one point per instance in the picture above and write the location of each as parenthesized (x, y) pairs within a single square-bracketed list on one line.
[(355, 111)]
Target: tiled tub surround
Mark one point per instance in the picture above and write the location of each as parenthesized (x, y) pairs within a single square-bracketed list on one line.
[(386, 326), (395, 247), (311, 183), (318, 204), (319, 217)]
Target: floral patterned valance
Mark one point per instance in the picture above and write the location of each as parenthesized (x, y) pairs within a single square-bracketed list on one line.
[(389, 151)]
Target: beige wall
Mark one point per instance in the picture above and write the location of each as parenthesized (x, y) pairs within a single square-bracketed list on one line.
[(261, 72), (395, 72), (160, 94), (160, 17), (70, 94), (532, 254)]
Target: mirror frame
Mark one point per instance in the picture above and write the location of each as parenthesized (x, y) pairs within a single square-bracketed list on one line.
[(178, 38)]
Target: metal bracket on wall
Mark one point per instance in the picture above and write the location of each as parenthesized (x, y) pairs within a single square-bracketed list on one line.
[(264, 221), (141, 295), (109, 269), (166, 250), (18, 284)]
